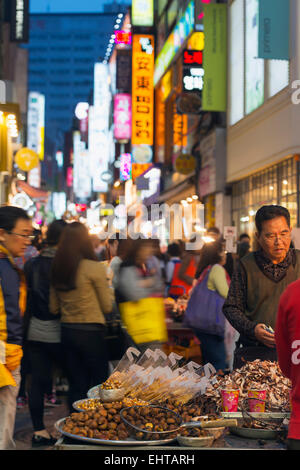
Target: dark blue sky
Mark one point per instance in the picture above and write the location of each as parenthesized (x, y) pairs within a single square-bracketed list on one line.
[(54, 6)]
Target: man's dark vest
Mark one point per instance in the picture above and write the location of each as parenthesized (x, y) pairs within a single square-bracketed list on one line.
[(263, 294)]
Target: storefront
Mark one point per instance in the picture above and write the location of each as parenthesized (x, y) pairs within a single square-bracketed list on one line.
[(278, 184)]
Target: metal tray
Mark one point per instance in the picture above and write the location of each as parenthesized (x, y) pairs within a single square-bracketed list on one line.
[(93, 392), (130, 442), (264, 434)]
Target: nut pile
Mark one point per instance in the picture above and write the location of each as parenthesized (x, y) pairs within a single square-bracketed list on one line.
[(194, 432), (111, 384), (96, 403), (102, 423), (256, 375), (154, 420)]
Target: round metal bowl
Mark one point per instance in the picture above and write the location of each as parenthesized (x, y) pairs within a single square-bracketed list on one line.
[(108, 396), (186, 441), (252, 433), (94, 392)]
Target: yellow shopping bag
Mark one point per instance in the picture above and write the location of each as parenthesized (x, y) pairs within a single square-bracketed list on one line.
[(145, 319)]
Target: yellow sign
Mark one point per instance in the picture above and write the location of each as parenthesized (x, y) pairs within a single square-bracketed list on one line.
[(26, 159), (166, 85), (180, 129), (138, 168), (185, 164), (142, 12), (142, 89), (196, 42)]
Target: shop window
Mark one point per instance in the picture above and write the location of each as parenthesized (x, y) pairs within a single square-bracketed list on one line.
[(275, 185), (252, 80)]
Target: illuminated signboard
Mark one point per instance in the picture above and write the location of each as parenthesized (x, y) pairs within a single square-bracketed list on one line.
[(138, 169), (142, 12), (193, 72), (36, 123), (192, 58), (122, 116), (167, 84), (82, 181), (123, 79), (98, 131), (19, 30), (142, 97), (180, 33), (125, 168), (123, 37), (192, 79)]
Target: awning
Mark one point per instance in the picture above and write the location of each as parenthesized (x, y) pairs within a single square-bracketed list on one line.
[(34, 193), (175, 190)]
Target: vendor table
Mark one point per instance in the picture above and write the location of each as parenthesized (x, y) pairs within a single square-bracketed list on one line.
[(229, 442)]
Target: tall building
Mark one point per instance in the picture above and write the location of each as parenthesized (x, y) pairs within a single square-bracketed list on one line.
[(63, 48)]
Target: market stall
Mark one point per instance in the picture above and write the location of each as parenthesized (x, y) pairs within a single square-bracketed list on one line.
[(152, 400)]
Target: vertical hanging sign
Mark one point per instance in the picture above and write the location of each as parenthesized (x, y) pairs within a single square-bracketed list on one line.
[(274, 30), (215, 58), (142, 97)]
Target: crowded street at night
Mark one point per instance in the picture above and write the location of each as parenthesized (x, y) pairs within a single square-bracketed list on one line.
[(150, 229)]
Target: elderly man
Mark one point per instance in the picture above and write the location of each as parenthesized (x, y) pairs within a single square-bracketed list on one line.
[(257, 284)]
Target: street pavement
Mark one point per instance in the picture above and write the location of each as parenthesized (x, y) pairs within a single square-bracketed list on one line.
[(24, 429)]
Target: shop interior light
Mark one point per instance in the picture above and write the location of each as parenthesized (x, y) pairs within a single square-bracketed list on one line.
[(285, 182), (271, 188), (189, 199), (251, 213), (117, 184), (183, 202), (118, 21), (120, 15), (244, 219), (207, 239), (195, 197), (116, 26)]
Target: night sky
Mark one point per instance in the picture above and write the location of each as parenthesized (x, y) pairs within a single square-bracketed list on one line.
[(65, 6)]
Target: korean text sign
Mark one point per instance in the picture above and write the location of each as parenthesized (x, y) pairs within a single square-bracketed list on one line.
[(142, 89)]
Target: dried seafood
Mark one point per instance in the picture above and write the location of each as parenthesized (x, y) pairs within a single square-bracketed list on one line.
[(257, 375)]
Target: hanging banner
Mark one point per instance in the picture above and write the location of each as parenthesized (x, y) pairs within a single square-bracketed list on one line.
[(142, 96), (215, 58), (122, 116), (274, 30), (36, 123)]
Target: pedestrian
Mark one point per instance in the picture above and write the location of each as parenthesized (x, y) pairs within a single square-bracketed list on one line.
[(15, 236), (172, 267), (81, 294), (140, 296), (287, 336), (208, 294), (43, 332), (184, 272), (257, 283)]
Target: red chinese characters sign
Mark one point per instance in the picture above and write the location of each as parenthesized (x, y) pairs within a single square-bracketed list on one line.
[(122, 116), (142, 89)]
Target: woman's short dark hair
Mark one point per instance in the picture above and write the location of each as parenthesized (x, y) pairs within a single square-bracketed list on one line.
[(210, 254), (9, 215), (269, 213), (74, 245), (54, 232)]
